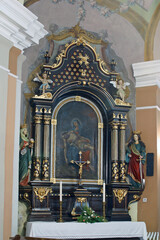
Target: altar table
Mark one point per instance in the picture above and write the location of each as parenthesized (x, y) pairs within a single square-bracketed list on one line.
[(75, 230)]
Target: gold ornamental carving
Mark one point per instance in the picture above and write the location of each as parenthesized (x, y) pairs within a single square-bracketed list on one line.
[(26, 197), (46, 110), (100, 181), (45, 169), (54, 122), (77, 32), (46, 95), (53, 180), (47, 120), (36, 164), (119, 102), (42, 192), (78, 98), (100, 125), (115, 172), (123, 172), (38, 110), (81, 200), (135, 198), (120, 194), (115, 125), (123, 126), (37, 119)]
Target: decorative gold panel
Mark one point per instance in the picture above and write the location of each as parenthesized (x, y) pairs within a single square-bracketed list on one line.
[(42, 192), (120, 194)]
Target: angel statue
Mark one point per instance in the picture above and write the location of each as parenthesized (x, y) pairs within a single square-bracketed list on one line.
[(45, 81), (121, 87)]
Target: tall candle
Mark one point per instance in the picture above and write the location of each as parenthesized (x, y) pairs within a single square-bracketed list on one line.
[(104, 192), (60, 193)]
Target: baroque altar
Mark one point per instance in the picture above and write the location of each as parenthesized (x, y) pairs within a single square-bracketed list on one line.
[(79, 127)]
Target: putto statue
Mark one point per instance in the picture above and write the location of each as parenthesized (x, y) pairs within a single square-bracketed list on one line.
[(135, 157), (25, 154), (44, 80)]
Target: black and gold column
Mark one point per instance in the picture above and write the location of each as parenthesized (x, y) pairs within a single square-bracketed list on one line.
[(37, 149), (122, 173), (114, 152), (45, 163)]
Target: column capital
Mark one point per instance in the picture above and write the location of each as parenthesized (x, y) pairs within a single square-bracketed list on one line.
[(47, 120), (38, 119), (123, 126), (114, 125)]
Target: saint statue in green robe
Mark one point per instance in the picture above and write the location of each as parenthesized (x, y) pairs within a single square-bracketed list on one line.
[(24, 156)]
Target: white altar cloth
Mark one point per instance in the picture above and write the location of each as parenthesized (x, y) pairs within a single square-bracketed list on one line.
[(75, 230)]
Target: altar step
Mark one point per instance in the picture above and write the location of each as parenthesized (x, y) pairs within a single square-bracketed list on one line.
[(153, 236)]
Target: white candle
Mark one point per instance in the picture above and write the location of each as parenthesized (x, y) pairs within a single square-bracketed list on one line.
[(104, 192), (60, 192)]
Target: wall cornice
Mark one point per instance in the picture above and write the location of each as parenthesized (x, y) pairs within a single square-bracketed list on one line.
[(147, 73), (19, 25)]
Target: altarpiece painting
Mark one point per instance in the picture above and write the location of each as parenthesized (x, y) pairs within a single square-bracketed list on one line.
[(77, 131)]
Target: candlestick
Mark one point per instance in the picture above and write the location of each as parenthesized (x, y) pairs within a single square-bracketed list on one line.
[(60, 212), (104, 210), (104, 192), (60, 192)]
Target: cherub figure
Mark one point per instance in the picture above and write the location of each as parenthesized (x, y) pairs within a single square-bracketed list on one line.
[(45, 81), (121, 86)]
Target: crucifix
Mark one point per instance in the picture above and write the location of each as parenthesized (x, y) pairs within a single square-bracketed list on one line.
[(80, 164)]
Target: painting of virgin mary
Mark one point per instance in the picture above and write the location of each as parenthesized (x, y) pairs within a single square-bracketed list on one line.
[(75, 143)]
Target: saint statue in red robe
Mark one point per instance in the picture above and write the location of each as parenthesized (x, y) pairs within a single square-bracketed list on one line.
[(135, 157)]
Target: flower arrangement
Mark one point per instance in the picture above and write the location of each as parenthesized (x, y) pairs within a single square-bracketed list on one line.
[(89, 216)]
